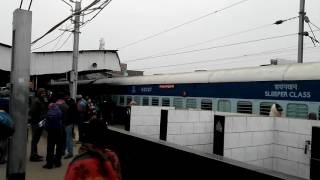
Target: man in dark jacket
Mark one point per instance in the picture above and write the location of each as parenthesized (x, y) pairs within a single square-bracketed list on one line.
[(38, 112)]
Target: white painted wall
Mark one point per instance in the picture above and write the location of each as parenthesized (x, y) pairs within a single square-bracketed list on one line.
[(145, 120), (191, 128), (272, 143)]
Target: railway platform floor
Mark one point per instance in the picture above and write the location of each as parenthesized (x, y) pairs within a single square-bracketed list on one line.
[(35, 171)]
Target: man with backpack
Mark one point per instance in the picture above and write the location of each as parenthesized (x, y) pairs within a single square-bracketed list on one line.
[(55, 138), (38, 111)]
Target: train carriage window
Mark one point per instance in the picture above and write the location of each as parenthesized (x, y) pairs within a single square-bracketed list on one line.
[(224, 106), (244, 107), (155, 101), (129, 99), (206, 104), (297, 110), (121, 101), (145, 101), (165, 101), (137, 99), (265, 108), (114, 99), (177, 102), (191, 103)]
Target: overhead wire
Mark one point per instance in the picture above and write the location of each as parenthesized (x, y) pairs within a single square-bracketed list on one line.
[(20, 4), (101, 7), (313, 39), (212, 47), (64, 20), (30, 5), (68, 5), (315, 25), (64, 42), (274, 51), (180, 25), (278, 22), (58, 41), (49, 42)]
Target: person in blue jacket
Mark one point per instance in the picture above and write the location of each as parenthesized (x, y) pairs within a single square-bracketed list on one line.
[(6, 130)]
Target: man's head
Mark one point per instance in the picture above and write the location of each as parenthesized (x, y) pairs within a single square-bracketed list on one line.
[(41, 93)]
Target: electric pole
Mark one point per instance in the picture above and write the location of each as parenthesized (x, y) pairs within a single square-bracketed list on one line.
[(74, 71), (19, 80), (302, 15)]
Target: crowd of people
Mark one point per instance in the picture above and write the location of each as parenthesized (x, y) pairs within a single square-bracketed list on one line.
[(57, 114)]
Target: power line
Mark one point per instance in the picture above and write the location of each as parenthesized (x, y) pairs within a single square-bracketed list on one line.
[(64, 31), (180, 25), (64, 42), (275, 51), (216, 38), (20, 4), (213, 47), (64, 20), (59, 39), (315, 26), (227, 36), (30, 5), (68, 4), (101, 7)]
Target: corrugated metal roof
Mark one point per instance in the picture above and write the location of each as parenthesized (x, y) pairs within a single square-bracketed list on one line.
[(57, 62)]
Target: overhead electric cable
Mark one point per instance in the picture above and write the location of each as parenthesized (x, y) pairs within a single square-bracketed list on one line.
[(226, 36), (275, 51), (59, 36), (213, 47), (313, 39), (101, 8), (64, 42), (180, 25), (315, 25), (20, 4), (30, 5), (64, 20), (68, 5)]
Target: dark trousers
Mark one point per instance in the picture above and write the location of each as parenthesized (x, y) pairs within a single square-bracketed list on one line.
[(54, 146), (3, 150), (82, 127), (36, 135)]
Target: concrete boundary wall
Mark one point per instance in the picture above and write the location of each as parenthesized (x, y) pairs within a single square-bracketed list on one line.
[(145, 120), (191, 128), (273, 143)]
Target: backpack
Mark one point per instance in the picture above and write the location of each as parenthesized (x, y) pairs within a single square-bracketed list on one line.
[(54, 117), (99, 164), (6, 125)]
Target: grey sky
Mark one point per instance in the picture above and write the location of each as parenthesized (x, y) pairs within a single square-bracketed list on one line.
[(126, 21)]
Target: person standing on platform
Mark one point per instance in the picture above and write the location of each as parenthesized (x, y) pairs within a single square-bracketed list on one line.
[(82, 108), (6, 130), (38, 112), (69, 126), (55, 138), (64, 108)]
